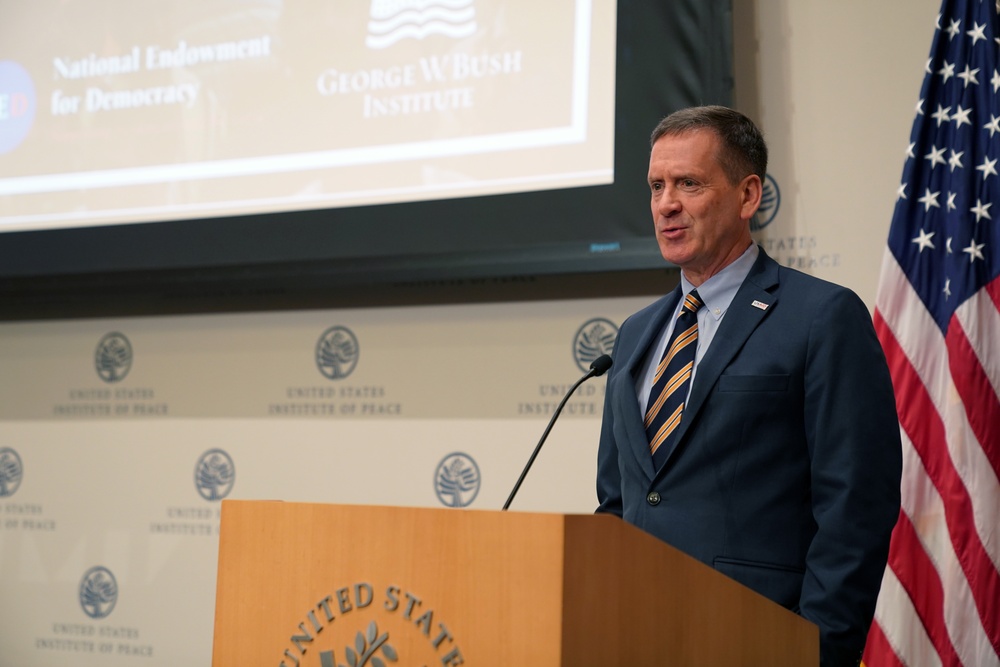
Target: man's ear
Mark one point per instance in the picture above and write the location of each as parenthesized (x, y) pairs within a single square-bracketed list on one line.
[(751, 192)]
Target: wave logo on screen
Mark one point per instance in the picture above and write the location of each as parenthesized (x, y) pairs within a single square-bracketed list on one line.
[(17, 105), (457, 480), (393, 20), (113, 357), (596, 337), (11, 472), (337, 353), (98, 592), (214, 475), (770, 202)]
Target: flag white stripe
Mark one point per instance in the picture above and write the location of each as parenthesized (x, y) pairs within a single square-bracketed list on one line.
[(896, 615), (980, 320), (922, 503)]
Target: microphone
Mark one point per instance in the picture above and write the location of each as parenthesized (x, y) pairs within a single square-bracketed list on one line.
[(598, 367)]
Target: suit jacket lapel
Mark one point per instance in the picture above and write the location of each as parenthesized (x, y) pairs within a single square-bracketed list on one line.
[(629, 400), (743, 316)]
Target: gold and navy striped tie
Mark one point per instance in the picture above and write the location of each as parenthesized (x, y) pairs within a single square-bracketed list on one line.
[(672, 381)]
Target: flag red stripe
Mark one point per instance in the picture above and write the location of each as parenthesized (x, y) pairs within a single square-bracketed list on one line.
[(920, 419), (981, 404), (878, 651), (918, 576)]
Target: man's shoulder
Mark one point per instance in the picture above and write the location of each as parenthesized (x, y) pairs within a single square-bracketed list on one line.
[(793, 281), (805, 297), (637, 325), (652, 311)]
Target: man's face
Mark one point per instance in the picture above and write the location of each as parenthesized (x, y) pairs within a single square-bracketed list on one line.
[(701, 219)]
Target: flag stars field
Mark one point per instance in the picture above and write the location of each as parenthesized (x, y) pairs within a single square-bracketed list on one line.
[(969, 76), (977, 33), (936, 156), (988, 167), (953, 29), (923, 241), (929, 199), (981, 210), (955, 160), (975, 251), (961, 115), (947, 71), (993, 126)]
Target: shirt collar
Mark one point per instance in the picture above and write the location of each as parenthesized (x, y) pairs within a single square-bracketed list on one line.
[(719, 291)]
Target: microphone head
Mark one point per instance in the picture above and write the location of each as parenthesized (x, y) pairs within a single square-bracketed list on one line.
[(600, 365)]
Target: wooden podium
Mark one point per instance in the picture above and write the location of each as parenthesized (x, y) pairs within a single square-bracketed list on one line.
[(348, 586)]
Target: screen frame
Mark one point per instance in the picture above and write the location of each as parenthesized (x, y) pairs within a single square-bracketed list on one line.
[(417, 252)]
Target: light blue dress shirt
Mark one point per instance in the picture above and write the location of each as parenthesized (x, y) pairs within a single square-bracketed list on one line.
[(716, 293)]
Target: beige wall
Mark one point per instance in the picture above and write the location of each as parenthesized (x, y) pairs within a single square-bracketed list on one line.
[(834, 86), (109, 480)]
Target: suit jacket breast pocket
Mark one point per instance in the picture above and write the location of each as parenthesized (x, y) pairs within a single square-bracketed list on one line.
[(753, 382)]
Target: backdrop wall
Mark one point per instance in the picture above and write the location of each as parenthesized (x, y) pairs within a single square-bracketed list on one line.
[(118, 438)]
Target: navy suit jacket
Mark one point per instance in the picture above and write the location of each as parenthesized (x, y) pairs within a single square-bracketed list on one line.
[(786, 467)]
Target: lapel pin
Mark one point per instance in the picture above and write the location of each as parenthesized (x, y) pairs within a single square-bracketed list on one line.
[(759, 304)]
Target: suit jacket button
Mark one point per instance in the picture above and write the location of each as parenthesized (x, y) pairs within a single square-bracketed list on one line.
[(653, 498)]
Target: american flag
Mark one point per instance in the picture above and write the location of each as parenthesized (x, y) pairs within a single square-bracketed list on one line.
[(938, 317)]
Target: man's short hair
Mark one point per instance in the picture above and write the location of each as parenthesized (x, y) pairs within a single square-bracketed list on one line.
[(743, 152)]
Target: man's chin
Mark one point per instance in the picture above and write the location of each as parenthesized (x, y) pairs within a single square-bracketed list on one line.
[(674, 255)]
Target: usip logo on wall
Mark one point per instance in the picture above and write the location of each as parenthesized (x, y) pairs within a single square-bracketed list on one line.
[(214, 475), (11, 472), (337, 353), (457, 480), (113, 357), (393, 20), (98, 592), (596, 337), (769, 204)]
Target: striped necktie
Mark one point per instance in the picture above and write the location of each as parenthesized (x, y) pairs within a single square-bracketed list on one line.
[(672, 380)]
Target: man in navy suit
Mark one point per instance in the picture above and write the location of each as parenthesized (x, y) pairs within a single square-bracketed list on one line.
[(781, 465)]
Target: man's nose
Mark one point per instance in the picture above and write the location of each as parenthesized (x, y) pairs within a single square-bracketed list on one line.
[(666, 203)]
